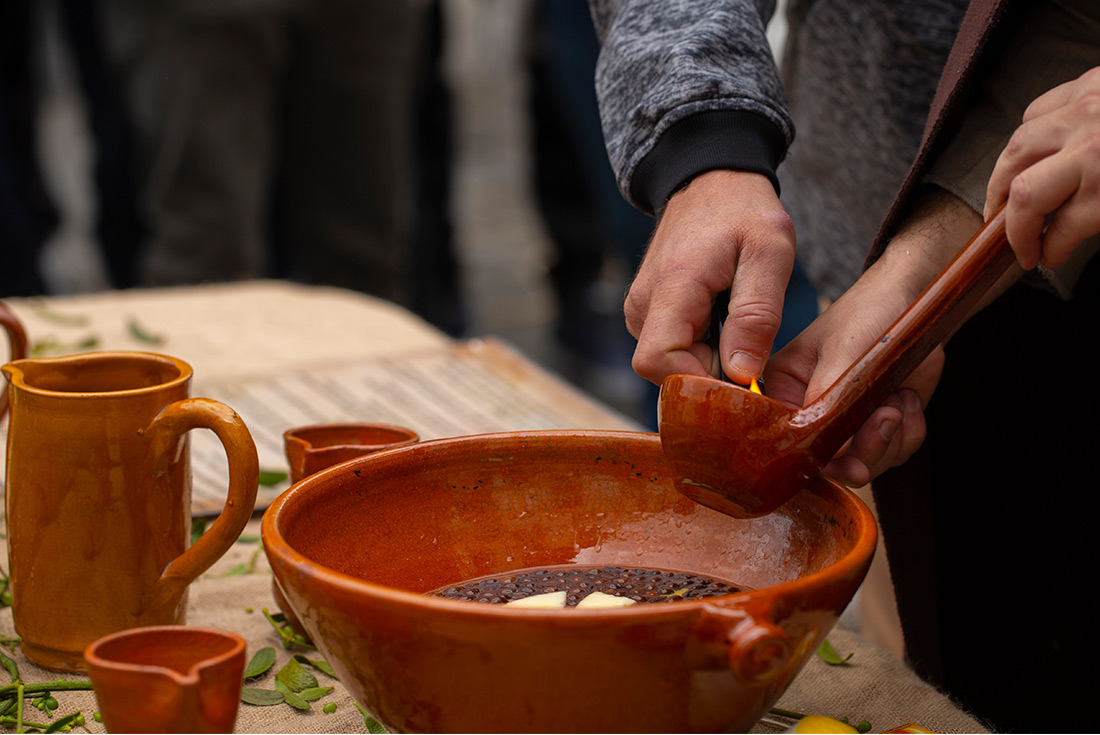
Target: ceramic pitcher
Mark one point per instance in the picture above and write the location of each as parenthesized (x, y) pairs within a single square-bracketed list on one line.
[(99, 495), (172, 678), (17, 338)]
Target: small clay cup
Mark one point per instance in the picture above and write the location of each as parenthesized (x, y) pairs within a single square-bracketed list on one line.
[(17, 338), (169, 678), (314, 448)]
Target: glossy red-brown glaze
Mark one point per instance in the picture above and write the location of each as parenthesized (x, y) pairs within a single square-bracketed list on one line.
[(167, 679), (17, 339), (355, 547), (310, 449), (98, 496), (745, 454)]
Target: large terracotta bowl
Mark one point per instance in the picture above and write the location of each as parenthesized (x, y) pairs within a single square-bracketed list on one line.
[(355, 547)]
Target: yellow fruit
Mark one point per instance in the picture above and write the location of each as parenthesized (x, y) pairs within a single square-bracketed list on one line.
[(821, 724)]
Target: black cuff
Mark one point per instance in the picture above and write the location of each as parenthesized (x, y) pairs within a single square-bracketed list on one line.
[(721, 139)]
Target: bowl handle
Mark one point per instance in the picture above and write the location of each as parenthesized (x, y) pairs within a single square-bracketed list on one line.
[(757, 650)]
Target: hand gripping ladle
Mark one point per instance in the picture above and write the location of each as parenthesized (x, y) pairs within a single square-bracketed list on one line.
[(745, 454)]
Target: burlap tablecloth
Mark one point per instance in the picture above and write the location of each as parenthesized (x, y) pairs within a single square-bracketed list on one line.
[(872, 686)]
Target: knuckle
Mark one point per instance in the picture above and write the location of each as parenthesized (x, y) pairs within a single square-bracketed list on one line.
[(757, 317), (1022, 190), (1018, 141), (1088, 104), (1090, 144), (647, 362)]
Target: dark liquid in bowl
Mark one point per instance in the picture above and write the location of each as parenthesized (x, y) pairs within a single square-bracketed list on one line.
[(638, 584)]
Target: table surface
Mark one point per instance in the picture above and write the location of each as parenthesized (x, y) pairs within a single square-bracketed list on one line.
[(256, 330)]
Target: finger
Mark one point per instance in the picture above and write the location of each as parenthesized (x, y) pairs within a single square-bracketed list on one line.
[(848, 470), (1031, 143), (910, 435), (1053, 99), (670, 341), (756, 307), (1073, 222), (871, 445), (1034, 194)]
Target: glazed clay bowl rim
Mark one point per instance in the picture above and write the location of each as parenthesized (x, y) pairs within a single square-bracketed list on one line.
[(847, 566), (191, 677), (16, 370)]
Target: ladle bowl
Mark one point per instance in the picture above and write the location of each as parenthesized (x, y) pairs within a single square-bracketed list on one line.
[(745, 454), (354, 549)]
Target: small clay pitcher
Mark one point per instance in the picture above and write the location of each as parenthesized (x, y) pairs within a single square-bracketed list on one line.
[(170, 678), (17, 338), (310, 449), (99, 497)]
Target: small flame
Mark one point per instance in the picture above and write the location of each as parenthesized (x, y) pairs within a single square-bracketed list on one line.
[(755, 388)]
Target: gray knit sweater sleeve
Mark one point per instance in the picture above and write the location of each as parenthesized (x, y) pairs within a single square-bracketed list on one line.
[(687, 86)]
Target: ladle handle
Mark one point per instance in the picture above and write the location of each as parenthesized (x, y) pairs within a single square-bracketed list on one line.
[(941, 308)]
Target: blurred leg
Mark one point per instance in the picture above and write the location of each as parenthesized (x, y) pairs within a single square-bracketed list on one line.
[(345, 197), (118, 227), (201, 80), (26, 213)]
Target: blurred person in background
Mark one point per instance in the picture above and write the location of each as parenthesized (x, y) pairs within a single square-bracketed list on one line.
[(274, 138), (28, 215)]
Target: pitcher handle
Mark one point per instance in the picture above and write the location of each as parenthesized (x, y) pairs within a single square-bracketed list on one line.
[(244, 472), (18, 339)]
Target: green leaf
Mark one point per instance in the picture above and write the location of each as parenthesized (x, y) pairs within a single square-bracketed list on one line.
[(270, 478), (295, 700), (237, 571), (64, 722), (312, 694), (9, 664), (829, 655), (248, 538), (43, 310), (295, 676), (286, 632), (320, 664), (260, 663), (142, 335), (373, 725), (292, 698), (198, 528), (260, 697)]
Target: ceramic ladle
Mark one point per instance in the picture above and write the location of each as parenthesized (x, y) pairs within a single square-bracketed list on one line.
[(745, 454)]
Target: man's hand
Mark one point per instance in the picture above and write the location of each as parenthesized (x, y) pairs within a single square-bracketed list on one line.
[(725, 230), (1051, 166), (814, 360)]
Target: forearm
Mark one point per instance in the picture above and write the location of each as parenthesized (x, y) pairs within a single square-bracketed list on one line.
[(685, 88), (938, 228)]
